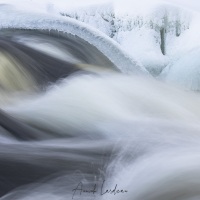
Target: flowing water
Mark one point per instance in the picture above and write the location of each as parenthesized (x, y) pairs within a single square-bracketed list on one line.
[(74, 127)]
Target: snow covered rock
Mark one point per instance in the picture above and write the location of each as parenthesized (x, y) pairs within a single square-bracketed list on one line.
[(185, 72)]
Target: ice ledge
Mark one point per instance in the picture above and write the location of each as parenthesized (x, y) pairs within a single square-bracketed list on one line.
[(26, 20)]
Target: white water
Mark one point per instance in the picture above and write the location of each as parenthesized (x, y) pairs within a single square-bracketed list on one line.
[(152, 128), (81, 102)]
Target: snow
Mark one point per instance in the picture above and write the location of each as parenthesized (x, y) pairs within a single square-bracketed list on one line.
[(137, 28), (95, 16), (185, 72), (192, 4), (131, 26), (27, 20), (187, 41), (142, 44)]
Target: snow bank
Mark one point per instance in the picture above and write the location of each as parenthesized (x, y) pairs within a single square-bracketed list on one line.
[(142, 44), (187, 41), (135, 25), (137, 28), (98, 16), (185, 72), (27, 20)]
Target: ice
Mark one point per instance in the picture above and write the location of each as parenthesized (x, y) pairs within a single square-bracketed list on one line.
[(127, 32), (28, 20), (138, 28)]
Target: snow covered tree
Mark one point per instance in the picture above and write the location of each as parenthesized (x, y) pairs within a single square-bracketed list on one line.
[(163, 32)]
